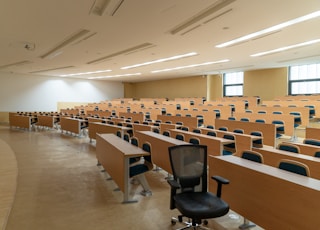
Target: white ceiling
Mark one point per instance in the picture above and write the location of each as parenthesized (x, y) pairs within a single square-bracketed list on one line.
[(30, 29)]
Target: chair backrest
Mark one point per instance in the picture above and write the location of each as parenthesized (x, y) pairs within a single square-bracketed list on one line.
[(189, 166), (317, 154), (196, 130), (146, 146), (260, 121), (134, 141), (156, 130), (294, 167), (212, 133), (185, 128), (210, 126), (241, 131), (223, 128), (126, 137), (310, 141), (166, 133), (194, 140), (244, 119), (231, 118), (180, 137), (252, 156), (118, 133), (289, 147)]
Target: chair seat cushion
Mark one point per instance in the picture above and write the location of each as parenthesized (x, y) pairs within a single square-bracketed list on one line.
[(200, 205)]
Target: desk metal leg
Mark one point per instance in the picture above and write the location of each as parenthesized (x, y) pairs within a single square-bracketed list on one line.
[(126, 198)]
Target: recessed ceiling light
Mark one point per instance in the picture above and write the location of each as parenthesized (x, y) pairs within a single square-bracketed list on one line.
[(85, 73), (112, 76), (161, 60), (190, 66), (285, 48), (270, 29)]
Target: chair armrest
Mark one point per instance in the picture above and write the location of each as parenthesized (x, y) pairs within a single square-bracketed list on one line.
[(220, 180), (174, 184)]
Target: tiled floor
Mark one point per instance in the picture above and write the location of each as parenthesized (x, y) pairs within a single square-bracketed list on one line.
[(60, 187)]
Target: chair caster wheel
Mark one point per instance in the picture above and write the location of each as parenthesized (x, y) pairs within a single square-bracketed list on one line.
[(173, 222), (205, 222)]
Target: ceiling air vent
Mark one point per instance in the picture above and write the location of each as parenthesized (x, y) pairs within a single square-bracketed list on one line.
[(195, 21), (133, 49), (101, 7), (77, 36)]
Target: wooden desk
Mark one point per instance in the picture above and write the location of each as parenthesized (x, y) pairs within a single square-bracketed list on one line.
[(214, 144), (98, 127), (273, 156), (313, 133), (268, 130), (270, 197), (191, 122), (243, 141), (47, 121), (21, 121), (114, 153), (72, 125), (160, 145), (306, 149)]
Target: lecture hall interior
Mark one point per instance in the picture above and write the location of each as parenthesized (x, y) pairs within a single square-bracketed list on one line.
[(97, 97)]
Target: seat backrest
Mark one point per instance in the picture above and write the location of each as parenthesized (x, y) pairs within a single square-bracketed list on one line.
[(166, 133), (294, 167), (146, 146), (185, 128), (118, 133), (212, 133), (210, 126), (310, 141), (260, 121), (189, 166), (194, 140), (196, 130), (223, 128), (252, 156), (238, 131), (180, 137), (126, 137), (289, 147), (134, 141), (244, 119)]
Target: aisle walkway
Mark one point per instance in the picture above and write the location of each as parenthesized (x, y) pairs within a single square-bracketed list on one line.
[(61, 188)]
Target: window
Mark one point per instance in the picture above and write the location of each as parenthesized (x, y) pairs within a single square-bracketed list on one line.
[(304, 79), (233, 84)]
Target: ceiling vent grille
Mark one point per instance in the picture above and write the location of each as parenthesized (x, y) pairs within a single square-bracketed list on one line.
[(195, 21), (15, 64), (76, 37), (128, 51), (110, 7), (48, 70)]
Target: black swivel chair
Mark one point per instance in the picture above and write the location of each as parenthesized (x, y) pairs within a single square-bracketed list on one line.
[(189, 192)]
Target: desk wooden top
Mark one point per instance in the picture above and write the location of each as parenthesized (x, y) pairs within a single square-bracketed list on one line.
[(273, 156), (270, 197), (127, 149), (199, 135)]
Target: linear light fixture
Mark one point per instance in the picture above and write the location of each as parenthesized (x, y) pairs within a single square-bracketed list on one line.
[(161, 60), (190, 66), (285, 48), (271, 29), (57, 50), (112, 76), (85, 73), (99, 7)]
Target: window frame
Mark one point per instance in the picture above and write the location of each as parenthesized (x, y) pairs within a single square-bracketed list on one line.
[(233, 84), (291, 82)]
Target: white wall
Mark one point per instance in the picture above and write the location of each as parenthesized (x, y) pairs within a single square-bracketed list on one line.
[(20, 92)]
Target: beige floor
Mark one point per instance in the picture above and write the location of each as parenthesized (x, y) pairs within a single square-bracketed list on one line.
[(60, 187)]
